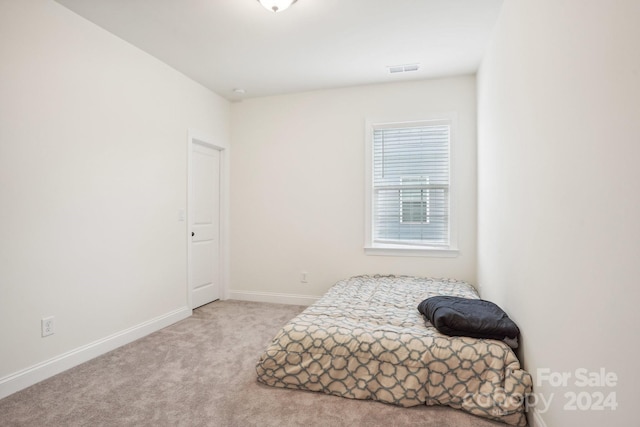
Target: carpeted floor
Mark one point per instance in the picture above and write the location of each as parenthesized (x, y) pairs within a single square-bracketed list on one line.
[(201, 372)]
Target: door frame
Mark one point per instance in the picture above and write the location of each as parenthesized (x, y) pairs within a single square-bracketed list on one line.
[(197, 137)]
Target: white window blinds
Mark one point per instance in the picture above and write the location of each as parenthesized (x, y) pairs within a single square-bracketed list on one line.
[(411, 183)]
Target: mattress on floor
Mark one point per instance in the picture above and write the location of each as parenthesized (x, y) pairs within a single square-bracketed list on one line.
[(365, 339)]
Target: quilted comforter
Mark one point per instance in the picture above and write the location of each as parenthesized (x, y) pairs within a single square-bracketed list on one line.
[(365, 339)]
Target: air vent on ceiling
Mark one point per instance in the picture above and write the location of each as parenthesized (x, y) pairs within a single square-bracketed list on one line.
[(403, 68)]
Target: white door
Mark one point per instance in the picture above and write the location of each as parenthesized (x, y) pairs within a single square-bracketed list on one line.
[(204, 213)]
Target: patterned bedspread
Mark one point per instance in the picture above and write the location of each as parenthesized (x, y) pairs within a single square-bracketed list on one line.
[(365, 339)]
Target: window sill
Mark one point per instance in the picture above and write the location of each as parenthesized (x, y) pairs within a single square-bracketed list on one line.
[(400, 250)]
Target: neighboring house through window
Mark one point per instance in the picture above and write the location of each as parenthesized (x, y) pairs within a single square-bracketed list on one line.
[(409, 187)]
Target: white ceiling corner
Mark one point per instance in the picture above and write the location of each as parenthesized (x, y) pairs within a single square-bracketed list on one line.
[(315, 44)]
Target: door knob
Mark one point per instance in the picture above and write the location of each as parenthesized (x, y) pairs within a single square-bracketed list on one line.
[(193, 234)]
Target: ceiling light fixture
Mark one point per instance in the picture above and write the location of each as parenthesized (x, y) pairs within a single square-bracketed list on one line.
[(276, 5)]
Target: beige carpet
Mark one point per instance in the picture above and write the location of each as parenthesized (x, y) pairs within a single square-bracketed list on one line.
[(201, 372)]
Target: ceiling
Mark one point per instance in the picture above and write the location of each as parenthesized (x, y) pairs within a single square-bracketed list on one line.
[(316, 44)]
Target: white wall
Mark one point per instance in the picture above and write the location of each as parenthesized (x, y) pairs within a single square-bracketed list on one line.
[(297, 185), (558, 197), (93, 158)]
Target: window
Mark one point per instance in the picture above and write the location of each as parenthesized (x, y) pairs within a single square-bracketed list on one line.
[(415, 201), (408, 187)]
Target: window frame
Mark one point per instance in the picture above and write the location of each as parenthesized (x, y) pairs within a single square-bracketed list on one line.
[(396, 249)]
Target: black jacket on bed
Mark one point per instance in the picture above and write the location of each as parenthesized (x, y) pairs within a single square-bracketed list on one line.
[(468, 317)]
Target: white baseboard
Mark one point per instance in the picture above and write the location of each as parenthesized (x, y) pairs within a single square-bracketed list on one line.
[(41, 371), (272, 297), (535, 419)]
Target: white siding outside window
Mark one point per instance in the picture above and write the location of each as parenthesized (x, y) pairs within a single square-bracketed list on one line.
[(409, 188)]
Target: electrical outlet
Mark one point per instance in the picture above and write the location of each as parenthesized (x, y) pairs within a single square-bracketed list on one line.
[(303, 277), (47, 326)]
